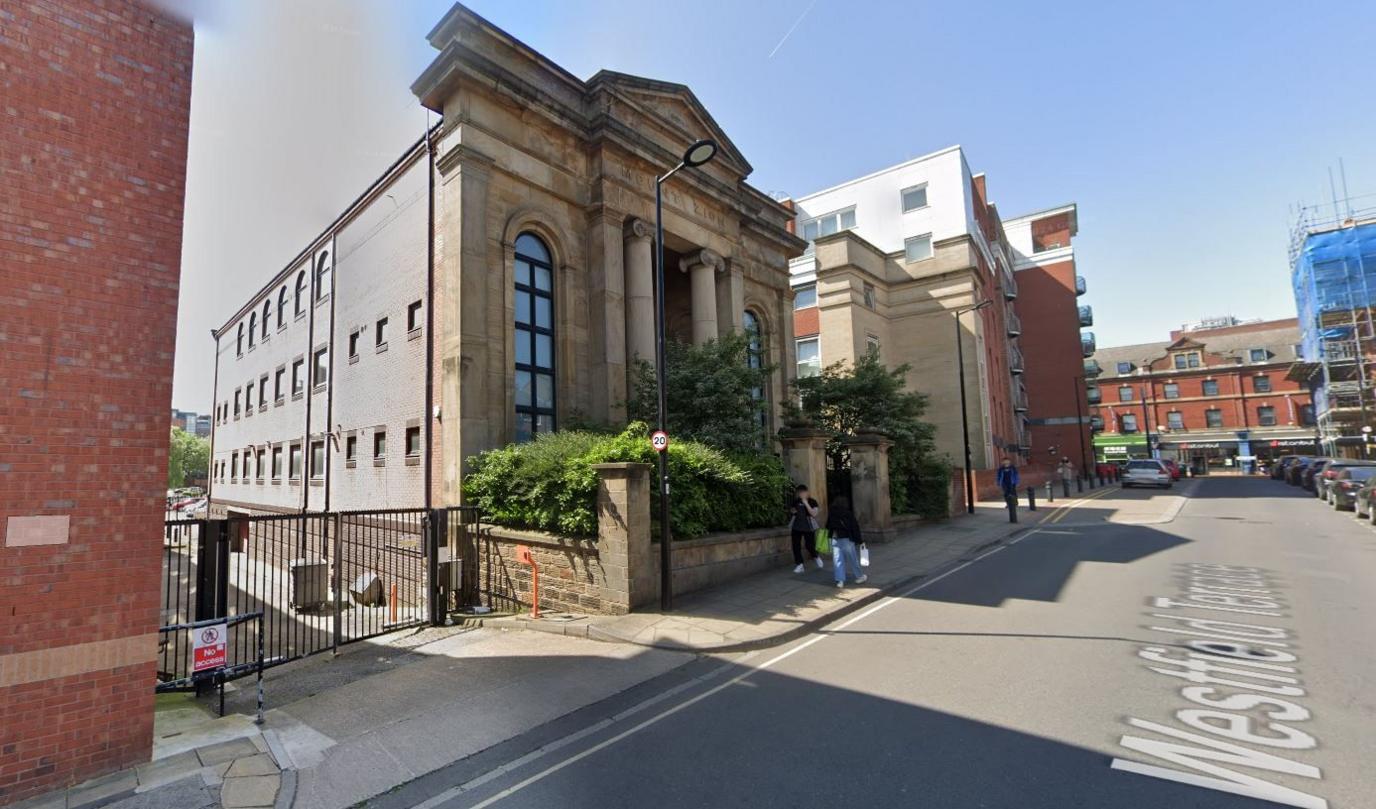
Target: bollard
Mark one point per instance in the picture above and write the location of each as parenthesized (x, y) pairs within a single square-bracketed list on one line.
[(1079, 484), (1050, 493), (1031, 498), (1012, 499)]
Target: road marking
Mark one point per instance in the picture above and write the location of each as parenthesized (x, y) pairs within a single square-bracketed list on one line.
[(1060, 512), (468, 786)]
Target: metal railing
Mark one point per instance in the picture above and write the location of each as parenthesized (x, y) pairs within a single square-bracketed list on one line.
[(1092, 368), (1087, 343), (1012, 323), (1080, 287), (1015, 363), (1086, 315)]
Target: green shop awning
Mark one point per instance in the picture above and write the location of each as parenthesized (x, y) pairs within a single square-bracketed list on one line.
[(1108, 447)]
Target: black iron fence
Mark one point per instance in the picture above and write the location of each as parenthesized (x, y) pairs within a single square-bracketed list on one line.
[(319, 580)]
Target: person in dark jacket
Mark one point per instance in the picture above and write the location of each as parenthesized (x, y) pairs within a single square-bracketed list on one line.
[(1008, 479), (804, 526), (845, 539)]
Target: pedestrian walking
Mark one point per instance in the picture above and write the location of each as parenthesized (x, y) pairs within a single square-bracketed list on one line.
[(804, 526), (1067, 472), (1007, 478), (846, 538)]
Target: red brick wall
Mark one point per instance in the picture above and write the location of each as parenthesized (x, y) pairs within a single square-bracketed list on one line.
[(1237, 399), (1053, 230), (1055, 366), (92, 160), (806, 322)]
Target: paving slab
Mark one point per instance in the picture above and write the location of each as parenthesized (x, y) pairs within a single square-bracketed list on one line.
[(250, 792), (260, 764), (167, 770), (226, 751), (101, 790)]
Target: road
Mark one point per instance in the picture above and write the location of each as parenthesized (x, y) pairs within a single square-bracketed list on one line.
[(1054, 672)]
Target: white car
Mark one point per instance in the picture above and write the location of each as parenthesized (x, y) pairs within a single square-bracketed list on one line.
[(1146, 473)]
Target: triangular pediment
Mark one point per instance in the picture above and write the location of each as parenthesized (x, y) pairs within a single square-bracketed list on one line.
[(675, 106), (1184, 344)]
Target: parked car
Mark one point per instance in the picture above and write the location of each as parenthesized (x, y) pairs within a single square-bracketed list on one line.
[(1309, 476), (1323, 480), (1173, 468), (1278, 468), (1146, 473), (192, 509), (1296, 468), (1342, 490), (1364, 504)]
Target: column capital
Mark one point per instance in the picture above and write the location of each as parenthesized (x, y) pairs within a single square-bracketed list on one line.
[(637, 229), (704, 258)]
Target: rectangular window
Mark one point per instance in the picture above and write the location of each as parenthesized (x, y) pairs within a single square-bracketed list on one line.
[(1125, 393), (381, 333), (1128, 421), (1210, 387), (804, 297), (1257, 354), (379, 445), (1189, 360), (413, 316), (1261, 384), (872, 344), (809, 357), (276, 463), (868, 294), (917, 248), (294, 462), (1306, 415), (248, 398), (914, 198), (1124, 367), (828, 224), (1175, 420), (317, 459), (1266, 416), (1171, 390), (298, 381), (262, 464), (351, 448), (236, 403), (322, 366), (1213, 417), (412, 441), (234, 466), (353, 344)]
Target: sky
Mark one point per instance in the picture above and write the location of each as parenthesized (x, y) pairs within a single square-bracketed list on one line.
[(1185, 132)]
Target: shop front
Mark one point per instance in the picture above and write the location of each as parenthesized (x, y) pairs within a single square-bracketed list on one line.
[(1116, 448), (1240, 451)]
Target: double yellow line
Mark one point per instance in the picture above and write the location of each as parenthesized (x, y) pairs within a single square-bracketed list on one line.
[(1060, 512)]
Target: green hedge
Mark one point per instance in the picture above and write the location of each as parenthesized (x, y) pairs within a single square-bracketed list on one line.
[(549, 484)]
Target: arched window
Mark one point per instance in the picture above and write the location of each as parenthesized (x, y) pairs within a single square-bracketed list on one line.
[(322, 274), (267, 312), (282, 308), (240, 344), (299, 305), (534, 338), (754, 357), (252, 328)]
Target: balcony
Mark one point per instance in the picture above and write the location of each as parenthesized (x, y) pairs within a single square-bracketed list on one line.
[(1086, 316), (1013, 324), (1092, 368), (1010, 287), (1020, 399), (1093, 395), (1080, 285), (1096, 423), (1014, 360), (1087, 344)]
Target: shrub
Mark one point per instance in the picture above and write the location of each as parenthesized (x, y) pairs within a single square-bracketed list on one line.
[(549, 484)]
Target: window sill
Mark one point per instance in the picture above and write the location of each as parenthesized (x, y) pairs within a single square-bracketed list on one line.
[(413, 334), (353, 359), (379, 462), (319, 388), (296, 397), (276, 482), (248, 414), (413, 460), (281, 327), (323, 299), (263, 408), (350, 464), (317, 481), (236, 416), (281, 400), (381, 347), (259, 481), (294, 482), (233, 480), (301, 315)]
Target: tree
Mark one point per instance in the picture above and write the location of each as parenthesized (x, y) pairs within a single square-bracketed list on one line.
[(187, 454), (866, 396), (714, 395)]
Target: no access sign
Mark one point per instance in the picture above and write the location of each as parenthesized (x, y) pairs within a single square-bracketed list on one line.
[(208, 647), (659, 440)]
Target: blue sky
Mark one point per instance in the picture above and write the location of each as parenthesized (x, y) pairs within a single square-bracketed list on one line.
[(1183, 131)]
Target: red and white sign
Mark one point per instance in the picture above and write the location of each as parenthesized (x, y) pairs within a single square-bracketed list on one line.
[(208, 647), (659, 440)]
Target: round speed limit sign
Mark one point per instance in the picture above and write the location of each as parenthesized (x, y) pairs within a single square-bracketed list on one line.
[(659, 440)]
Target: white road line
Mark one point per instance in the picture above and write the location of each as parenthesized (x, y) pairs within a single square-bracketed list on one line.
[(454, 792)]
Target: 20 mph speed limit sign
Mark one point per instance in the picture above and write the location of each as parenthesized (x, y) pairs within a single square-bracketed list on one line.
[(659, 440)]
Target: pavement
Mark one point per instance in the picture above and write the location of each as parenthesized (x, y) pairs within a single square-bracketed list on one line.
[(1204, 647)]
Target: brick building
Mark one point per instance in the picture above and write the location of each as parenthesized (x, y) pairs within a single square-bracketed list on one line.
[(1213, 398), (526, 217), (92, 161)]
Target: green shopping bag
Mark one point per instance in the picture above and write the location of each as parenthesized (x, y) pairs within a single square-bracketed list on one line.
[(823, 541)]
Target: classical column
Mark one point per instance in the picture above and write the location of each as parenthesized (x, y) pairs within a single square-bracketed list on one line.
[(640, 291), (731, 299), (702, 268)]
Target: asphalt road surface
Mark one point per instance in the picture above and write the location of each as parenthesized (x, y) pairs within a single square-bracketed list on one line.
[(1149, 650)]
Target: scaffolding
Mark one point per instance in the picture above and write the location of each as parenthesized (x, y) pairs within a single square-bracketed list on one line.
[(1333, 271)]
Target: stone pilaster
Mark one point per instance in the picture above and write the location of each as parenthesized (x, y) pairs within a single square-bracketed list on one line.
[(629, 564), (869, 484), (731, 299), (702, 268), (607, 316), (640, 291), (805, 458)]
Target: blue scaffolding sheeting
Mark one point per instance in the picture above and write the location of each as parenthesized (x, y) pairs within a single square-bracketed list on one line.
[(1334, 272)]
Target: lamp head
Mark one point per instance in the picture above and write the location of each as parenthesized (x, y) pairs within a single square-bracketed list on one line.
[(700, 152)]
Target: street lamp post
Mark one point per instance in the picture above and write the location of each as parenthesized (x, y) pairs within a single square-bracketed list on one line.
[(695, 155), (964, 418)]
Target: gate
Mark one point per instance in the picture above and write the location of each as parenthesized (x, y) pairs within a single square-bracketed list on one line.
[(319, 580)]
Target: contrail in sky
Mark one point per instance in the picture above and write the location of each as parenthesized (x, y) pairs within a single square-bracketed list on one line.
[(789, 33)]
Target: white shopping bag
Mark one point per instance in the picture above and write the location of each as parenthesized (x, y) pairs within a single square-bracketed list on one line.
[(864, 556)]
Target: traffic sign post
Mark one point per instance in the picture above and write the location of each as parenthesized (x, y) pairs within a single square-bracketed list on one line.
[(659, 440)]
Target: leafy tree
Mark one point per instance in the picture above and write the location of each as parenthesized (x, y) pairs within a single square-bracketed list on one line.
[(713, 394), (187, 454), (866, 396)]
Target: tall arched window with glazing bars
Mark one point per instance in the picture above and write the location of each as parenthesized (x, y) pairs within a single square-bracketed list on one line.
[(534, 330)]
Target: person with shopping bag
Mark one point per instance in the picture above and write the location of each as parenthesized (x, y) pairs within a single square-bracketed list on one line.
[(804, 527), (843, 531)]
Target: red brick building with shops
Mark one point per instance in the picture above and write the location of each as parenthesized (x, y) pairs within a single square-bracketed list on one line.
[(1213, 398), (93, 160)]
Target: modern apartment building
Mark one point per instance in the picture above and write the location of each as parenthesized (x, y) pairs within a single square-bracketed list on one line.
[(493, 283), (191, 422), (1212, 398), (895, 261)]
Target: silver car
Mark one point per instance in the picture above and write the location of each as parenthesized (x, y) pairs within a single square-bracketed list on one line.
[(1146, 473)]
